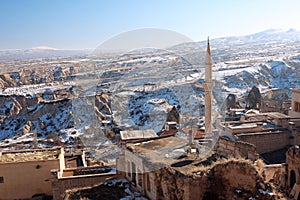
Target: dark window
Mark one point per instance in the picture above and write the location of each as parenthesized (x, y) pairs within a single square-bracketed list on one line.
[(1, 179), (128, 169), (148, 182), (140, 178), (292, 179), (296, 107), (133, 171), (210, 196)]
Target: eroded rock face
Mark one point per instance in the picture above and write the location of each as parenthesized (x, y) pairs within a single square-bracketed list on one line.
[(28, 76), (10, 105), (173, 115), (102, 104), (253, 100), (46, 111), (231, 101), (233, 179)]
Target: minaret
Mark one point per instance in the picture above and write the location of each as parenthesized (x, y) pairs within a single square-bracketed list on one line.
[(208, 86)]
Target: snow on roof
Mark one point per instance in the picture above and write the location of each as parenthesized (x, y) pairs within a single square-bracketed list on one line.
[(29, 155), (137, 134), (243, 126), (277, 115), (252, 111)]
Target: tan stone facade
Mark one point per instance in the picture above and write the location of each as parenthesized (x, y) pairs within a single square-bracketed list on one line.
[(267, 142), (295, 110), (61, 184), (293, 172), (22, 178), (28, 173), (237, 149)]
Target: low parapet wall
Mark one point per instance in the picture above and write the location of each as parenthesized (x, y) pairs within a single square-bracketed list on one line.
[(61, 184), (238, 149)]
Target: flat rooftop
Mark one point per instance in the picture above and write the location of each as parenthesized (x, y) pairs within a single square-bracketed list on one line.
[(277, 115), (29, 155), (137, 134), (243, 126), (168, 151), (296, 90)]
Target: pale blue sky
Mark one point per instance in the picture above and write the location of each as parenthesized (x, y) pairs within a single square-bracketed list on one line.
[(74, 24)]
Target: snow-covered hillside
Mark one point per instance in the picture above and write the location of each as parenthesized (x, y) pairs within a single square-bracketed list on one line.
[(137, 90), (272, 74)]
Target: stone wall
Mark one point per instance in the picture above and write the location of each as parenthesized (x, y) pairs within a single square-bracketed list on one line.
[(22, 180), (293, 172), (231, 179), (275, 173), (60, 185), (237, 149), (293, 162), (295, 112), (267, 141)]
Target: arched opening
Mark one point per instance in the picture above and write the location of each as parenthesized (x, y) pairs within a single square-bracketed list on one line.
[(210, 196), (292, 178)]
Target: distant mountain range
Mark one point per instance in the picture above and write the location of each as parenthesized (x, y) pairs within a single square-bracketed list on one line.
[(265, 37), (40, 52)]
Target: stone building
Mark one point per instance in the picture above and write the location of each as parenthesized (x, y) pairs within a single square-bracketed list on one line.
[(293, 172), (295, 111), (270, 132), (163, 168), (49, 172), (26, 173), (139, 161), (267, 131)]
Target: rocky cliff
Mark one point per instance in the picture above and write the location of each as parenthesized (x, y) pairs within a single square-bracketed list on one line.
[(49, 110)]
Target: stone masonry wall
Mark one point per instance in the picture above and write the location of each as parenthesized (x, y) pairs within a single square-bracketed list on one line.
[(237, 149), (60, 185), (235, 179), (267, 142)]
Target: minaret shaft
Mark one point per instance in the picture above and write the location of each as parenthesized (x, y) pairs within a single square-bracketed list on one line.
[(208, 86)]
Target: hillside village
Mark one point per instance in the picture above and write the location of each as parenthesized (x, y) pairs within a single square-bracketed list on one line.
[(49, 130)]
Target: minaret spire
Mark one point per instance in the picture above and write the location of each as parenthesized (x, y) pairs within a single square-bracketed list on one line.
[(208, 86)]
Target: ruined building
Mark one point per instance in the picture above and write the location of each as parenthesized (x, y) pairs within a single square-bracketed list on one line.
[(293, 172), (160, 169)]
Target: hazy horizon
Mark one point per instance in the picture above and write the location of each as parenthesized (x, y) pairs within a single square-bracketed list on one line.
[(44, 47), (81, 24)]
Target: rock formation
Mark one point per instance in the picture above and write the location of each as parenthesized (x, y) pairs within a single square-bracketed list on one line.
[(231, 101), (253, 100)]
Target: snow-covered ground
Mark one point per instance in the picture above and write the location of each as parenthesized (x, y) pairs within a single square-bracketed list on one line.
[(144, 87)]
